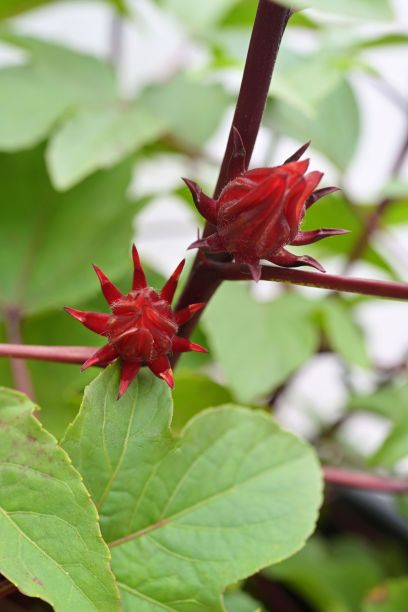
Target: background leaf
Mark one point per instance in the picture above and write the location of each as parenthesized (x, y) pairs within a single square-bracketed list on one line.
[(343, 334), (258, 345), (179, 515), (389, 597), (363, 9), (50, 543)]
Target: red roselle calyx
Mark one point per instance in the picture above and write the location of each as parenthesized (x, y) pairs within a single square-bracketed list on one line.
[(259, 212), (142, 329)]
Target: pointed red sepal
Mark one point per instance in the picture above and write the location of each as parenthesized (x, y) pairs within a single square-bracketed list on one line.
[(206, 206), (320, 193), (128, 373), (184, 315), (298, 154), (212, 243), (182, 345), (161, 368), (109, 290), (289, 260), (237, 164), (169, 289), (95, 321), (103, 356), (303, 238), (139, 279)]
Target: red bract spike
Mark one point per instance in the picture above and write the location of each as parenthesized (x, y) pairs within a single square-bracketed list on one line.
[(182, 345), (237, 164), (103, 356), (206, 206), (320, 193), (95, 321), (161, 367), (303, 238), (169, 289), (109, 290), (128, 372), (139, 279), (289, 260), (184, 315), (298, 154)]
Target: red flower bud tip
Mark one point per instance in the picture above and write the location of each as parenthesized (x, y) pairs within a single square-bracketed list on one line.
[(259, 212), (142, 327)]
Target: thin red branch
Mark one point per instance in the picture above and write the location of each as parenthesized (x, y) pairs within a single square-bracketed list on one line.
[(62, 354), (362, 480), (385, 289), (269, 26)]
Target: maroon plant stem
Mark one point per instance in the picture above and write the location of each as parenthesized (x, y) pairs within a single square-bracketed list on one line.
[(19, 369), (362, 480), (385, 289), (269, 25)]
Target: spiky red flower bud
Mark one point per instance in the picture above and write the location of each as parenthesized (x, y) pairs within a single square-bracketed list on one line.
[(259, 212), (142, 329)]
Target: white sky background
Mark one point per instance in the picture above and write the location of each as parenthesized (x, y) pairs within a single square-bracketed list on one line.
[(152, 49)]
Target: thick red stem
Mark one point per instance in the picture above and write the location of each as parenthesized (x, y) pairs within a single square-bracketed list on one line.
[(269, 25)]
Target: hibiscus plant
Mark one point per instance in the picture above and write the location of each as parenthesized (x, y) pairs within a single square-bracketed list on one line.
[(168, 474)]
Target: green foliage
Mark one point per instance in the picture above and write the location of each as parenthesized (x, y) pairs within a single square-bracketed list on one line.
[(363, 9), (10, 8), (343, 334), (179, 514), (259, 345), (391, 596), (193, 393), (331, 576), (50, 543), (238, 601), (192, 109), (62, 234)]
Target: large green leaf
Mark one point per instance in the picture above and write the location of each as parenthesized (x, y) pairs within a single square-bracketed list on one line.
[(363, 9), (98, 138), (50, 542), (192, 109), (238, 601), (62, 234), (258, 345), (392, 596), (187, 516)]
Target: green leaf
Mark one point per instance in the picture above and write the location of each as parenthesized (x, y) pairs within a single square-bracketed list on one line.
[(204, 16), (239, 601), (56, 80), (50, 543), (258, 345), (193, 393), (395, 446), (391, 596), (192, 109), (97, 138), (9, 8), (334, 129), (343, 334), (30, 106), (390, 401), (180, 528), (62, 234), (362, 9), (331, 576)]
